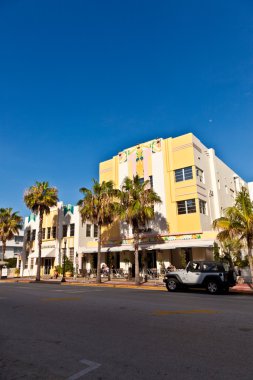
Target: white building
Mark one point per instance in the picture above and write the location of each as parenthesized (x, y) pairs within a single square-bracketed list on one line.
[(14, 247), (62, 232), (250, 184)]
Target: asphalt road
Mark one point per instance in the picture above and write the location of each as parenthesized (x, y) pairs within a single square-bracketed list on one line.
[(69, 332)]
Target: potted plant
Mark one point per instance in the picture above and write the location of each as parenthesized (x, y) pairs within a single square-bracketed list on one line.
[(17, 272), (57, 271), (69, 267)]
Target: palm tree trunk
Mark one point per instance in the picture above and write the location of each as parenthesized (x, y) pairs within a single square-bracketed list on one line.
[(136, 255), (99, 256), (250, 258), (39, 245), (4, 248)]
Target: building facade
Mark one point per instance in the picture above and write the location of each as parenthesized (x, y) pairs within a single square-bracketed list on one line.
[(62, 233), (14, 247), (58, 237), (250, 184), (195, 187)]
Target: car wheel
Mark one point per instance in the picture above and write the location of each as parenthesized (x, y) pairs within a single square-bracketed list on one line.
[(172, 284), (212, 287)]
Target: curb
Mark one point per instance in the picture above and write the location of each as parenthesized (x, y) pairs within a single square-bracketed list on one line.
[(120, 286), (239, 289), (146, 287), (242, 291)]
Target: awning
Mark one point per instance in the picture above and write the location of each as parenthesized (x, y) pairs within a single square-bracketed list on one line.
[(194, 243), (191, 243), (107, 249), (46, 252)]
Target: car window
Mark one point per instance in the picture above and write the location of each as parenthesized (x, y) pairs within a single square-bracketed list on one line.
[(194, 267), (210, 267)]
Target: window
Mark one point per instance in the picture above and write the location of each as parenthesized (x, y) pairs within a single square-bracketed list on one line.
[(212, 267), (200, 174), (28, 235), (202, 207), (48, 232), (150, 179), (18, 250), (18, 239), (183, 174), (193, 267), (32, 264), (186, 207), (71, 254), (63, 254), (43, 233), (64, 230), (54, 232), (88, 230), (33, 235), (95, 230), (72, 229)]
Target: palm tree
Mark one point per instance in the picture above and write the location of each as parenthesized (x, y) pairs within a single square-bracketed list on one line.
[(238, 223), (10, 224), (137, 208), (99, 207), (39, 198), (230, 248)]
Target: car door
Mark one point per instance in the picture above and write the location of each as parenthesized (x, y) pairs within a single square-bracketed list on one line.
[(192, 274)]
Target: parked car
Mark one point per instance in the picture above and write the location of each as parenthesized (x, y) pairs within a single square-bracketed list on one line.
[(211, 275)]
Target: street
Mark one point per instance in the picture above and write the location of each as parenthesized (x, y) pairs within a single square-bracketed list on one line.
[(75, 332)]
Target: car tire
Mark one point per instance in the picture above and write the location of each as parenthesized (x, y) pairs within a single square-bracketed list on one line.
[(172, 284), (212, 287)]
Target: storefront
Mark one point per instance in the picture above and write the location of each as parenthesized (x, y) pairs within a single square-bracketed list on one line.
[(47, 262), (151, 256)]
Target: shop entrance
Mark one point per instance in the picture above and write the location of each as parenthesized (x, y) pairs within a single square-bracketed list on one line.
[(151, 259), (47, 265)]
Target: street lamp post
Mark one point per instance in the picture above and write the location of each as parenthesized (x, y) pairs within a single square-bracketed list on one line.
[(76, 264), (64, 261)]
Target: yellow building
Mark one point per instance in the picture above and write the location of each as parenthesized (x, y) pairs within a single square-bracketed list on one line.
[(194, 185)]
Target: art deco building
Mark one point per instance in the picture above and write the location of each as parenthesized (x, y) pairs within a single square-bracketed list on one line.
[(195, 187)]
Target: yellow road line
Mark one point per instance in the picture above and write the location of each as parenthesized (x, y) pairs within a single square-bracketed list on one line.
[(174, 312)]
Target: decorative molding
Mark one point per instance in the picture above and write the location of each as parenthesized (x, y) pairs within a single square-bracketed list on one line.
[(154, 146)]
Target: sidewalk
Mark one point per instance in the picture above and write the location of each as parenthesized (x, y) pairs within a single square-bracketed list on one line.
[(116, 283)]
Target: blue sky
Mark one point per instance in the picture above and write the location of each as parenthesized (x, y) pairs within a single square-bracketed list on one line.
[(82, 80)]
